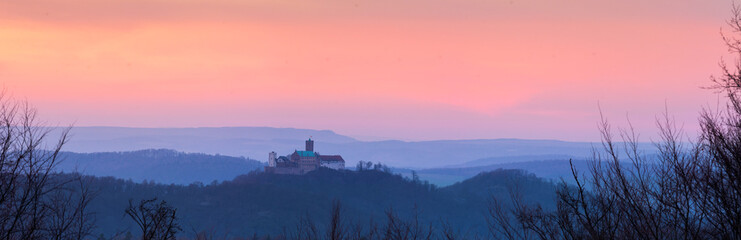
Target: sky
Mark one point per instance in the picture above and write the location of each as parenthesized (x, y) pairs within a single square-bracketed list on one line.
[(371, 69)]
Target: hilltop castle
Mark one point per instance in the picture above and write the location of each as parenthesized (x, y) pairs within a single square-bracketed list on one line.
[(300, 162)]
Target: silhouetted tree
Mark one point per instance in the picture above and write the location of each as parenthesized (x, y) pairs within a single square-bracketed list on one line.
[(35, 201), (337, 229), (689, 191), (156, 220)]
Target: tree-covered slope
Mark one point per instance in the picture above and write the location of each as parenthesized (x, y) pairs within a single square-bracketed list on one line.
[(271, 204)]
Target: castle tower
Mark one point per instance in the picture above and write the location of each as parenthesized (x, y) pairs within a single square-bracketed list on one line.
[(271, 159), (309, 145)]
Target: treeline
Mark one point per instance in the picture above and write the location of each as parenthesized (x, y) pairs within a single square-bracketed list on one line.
[(370, 166)]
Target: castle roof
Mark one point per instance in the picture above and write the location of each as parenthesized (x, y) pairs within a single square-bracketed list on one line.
[(306, 153)]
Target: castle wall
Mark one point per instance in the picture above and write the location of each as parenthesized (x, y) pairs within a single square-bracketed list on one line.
[(334, 165)]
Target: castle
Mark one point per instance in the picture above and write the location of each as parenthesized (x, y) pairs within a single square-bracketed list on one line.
[(300, 162)]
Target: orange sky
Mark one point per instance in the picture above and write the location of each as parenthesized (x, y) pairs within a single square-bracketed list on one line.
[(412, 69)]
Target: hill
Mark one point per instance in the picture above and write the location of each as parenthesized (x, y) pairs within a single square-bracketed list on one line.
[(159, 165), (553, 170), (271, 204), (169, 166), (257, 142)]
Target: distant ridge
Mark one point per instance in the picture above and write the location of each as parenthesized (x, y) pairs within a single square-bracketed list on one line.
[(253, 142), (159, 165), (104, 132), (510, 159), (257, 142), (552, 170)]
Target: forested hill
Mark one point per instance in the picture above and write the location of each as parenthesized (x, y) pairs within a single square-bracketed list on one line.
[(159, 165), (269, 204)]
